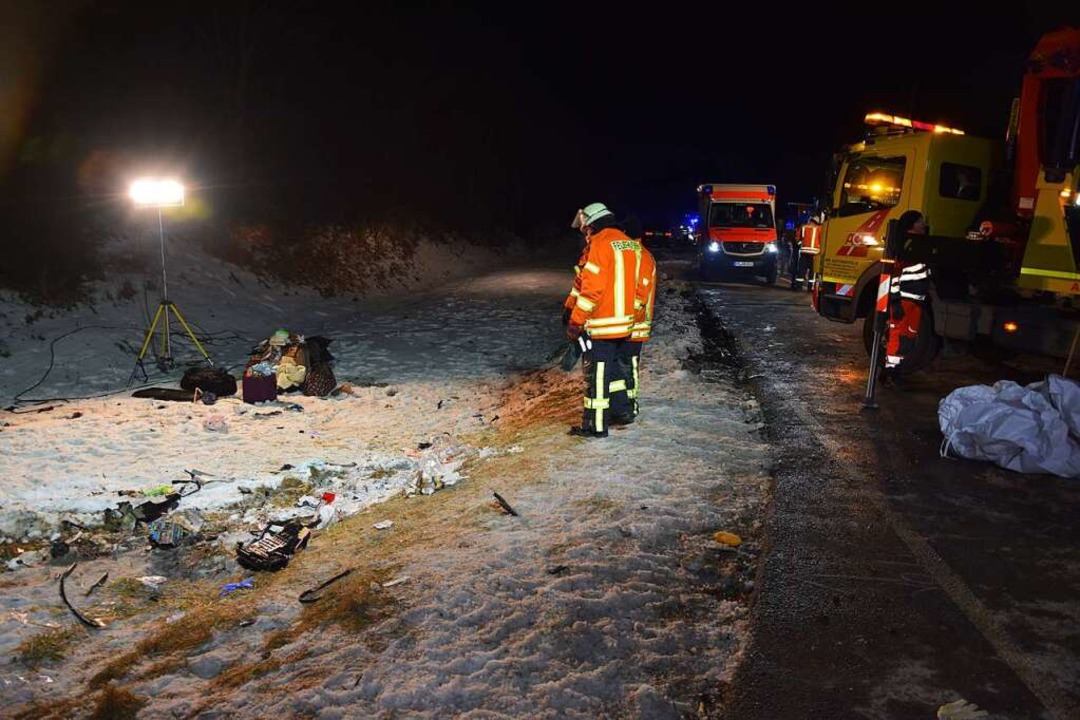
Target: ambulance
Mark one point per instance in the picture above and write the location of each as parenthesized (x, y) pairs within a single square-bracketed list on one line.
[(737, 233)]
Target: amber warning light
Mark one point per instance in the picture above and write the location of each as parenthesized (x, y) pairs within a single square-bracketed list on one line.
[(877, 118), (1010, 327)]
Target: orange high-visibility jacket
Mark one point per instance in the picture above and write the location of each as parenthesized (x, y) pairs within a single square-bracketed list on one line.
[(571, 299), (608, 285), (810, 238), (644, 298)]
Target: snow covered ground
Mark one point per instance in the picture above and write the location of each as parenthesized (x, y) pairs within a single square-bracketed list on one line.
[(606, 595), (406, 348)]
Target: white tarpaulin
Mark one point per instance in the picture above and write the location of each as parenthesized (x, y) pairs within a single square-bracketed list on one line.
[(1029, 429)]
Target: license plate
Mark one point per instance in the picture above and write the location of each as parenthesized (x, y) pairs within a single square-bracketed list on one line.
[(743, 263)]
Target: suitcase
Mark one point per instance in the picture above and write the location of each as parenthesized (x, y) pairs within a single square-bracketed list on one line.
[(257, 388)]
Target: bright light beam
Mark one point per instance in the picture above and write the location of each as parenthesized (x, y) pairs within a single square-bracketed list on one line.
[(157, 192)]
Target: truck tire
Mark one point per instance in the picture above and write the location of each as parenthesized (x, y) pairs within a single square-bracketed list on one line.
[(927, 344)]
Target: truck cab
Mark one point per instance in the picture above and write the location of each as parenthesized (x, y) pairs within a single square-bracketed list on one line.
[(940, 172), (737, 235)]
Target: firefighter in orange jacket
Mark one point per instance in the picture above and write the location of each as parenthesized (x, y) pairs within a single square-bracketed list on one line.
[(604, 312)]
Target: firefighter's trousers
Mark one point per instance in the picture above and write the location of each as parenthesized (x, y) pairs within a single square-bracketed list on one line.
[(631, 370), (802, 272), (606, 383)]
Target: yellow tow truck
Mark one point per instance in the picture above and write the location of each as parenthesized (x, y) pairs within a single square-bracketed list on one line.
[(1003, 220)]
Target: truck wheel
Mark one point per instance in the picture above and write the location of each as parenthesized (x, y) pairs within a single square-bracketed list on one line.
[(927, 344)]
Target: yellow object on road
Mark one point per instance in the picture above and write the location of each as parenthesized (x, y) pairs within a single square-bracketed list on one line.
[(726, 538)]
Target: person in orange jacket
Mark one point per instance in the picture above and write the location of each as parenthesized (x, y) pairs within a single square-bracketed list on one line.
[(603, 310)]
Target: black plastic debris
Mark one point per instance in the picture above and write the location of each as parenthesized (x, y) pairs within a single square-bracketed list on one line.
[(63, 596), (505, 505), (274, 547), (313, 594)]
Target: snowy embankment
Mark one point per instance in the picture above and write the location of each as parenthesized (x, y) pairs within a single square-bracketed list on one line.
[(618, 587), (77, 443)]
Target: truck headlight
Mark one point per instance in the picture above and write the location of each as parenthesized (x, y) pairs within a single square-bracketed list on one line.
[(713, 247), (770, 247)]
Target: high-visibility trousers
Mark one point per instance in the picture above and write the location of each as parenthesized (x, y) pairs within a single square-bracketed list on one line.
[(631, 369), (903, 329), (606, 383)]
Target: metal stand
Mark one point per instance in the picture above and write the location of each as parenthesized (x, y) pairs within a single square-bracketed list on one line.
[(165, 307)]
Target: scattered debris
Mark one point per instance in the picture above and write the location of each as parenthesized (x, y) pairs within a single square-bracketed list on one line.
[(246, 583), (727, 538), (176, 529), (311, 595), (154, 582), (383, 525), (505, 505), (100, 581), (207, 397), (63, 596), (274, 547), (188, 487), (557, 569), (438, 466), (215, 423), (26, 559), (396, 581)]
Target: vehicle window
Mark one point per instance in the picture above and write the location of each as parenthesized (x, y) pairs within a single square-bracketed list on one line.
[(960, 181), (746, 215), (871, 183), (1059, 115)]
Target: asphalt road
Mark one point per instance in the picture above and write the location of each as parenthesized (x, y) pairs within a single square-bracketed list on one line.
[(894, 580)]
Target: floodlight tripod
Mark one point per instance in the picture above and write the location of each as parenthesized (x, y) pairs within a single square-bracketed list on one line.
[(164, 308)]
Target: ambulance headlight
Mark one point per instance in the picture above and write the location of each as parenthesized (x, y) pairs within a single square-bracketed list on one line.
[(713, 247), (770, 247)]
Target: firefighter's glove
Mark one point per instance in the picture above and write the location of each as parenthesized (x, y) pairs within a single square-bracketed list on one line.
[(573, 332), (566, 316)]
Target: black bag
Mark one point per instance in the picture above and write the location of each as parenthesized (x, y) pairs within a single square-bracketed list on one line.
[(214, 380)]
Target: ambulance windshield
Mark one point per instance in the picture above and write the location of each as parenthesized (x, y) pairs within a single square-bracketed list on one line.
[(741, 215), (871, 183)]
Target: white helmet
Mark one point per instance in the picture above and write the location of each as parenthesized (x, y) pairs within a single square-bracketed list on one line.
[(589, 214)]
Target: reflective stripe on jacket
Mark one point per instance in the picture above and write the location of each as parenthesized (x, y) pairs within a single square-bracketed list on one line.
[(608, 285), (645, 298), (571, 299)]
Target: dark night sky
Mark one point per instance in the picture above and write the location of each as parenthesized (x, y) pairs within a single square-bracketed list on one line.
[(514, 113)]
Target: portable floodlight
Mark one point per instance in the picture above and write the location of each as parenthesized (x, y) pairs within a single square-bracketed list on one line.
[(161, 193), (157, 192)]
